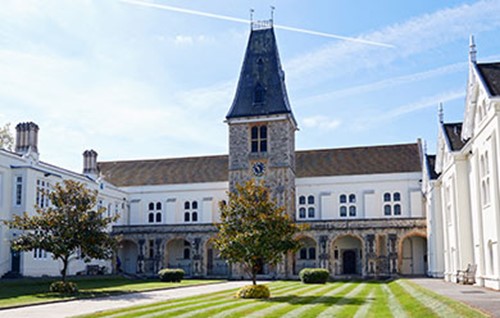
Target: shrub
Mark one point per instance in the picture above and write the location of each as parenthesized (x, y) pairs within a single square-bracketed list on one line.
[(314, 275), (253, 291), (174, 275), (63, 287)]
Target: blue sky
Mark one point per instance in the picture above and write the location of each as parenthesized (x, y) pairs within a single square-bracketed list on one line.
[(133, 81)]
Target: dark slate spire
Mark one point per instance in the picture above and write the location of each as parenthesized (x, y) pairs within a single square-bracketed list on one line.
[(261, 88)]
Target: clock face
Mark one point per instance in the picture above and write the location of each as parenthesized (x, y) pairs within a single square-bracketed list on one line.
[(258, 169)]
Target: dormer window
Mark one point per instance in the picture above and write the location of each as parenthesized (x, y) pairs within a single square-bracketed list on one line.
[(259, 138), (259, 94)]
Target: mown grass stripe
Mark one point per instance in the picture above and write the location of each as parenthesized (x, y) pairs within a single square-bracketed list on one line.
[(241, 304), (441, 309), (410, 304), (299, 312), (274, 304), (394, 305), (380, 308), (352, 304), (337, 306), (363, 310)]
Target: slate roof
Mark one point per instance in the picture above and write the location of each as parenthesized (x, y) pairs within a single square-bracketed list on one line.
[(490, 72), (430, 161), (453, 132), (262, 71), (309, 163)]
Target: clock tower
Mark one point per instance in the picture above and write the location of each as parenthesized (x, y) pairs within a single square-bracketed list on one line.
[(261, 123)]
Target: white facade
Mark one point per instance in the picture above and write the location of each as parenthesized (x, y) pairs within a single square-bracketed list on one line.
[(465, 198)]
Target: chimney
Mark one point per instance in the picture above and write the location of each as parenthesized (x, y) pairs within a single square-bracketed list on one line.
[(27, 138), (90, 163)]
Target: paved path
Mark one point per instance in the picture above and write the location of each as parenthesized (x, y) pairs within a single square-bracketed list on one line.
[(87, 306), (483, 299)]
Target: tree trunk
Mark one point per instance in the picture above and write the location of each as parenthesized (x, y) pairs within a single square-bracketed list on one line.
[(254, 275), (65, 268)]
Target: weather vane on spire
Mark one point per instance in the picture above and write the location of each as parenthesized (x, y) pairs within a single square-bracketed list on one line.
[(272, 13), (251, 15)]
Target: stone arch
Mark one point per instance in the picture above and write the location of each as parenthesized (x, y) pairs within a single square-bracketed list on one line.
[(307, 255), (412, 253), (179, 254), (214, 264), (127, 256), (348, 251)]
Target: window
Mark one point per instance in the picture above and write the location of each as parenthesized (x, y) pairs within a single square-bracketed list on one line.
[(312, 253), (42, 193), (307, 253), (151, 248), (158, 205), (38, 253), (344, 205), (259, 138), (151, 217), (194, 217), (186, 216), (391, 203), (186, 205), (158, 217), (190, 213), (194, 205), (309, 207), (187, 253), (484, 173), (151, 206), (19, 190), (154, 214), (303, 253)]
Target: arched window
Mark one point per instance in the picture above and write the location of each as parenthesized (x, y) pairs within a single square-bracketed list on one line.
[(387, 197), (312, 253), (352, 198), (186, 217), (302, 213), (187, 253), (151, 206), (397, 209), (352, 210), (343, 210), (158, 217), (194, 205), (303, 253), (151, 217), (186, 205), (158, 205), (302, 199), (387, 209), (310, 212), (194, 216), (343, 198), (397, 196), (310, 199)]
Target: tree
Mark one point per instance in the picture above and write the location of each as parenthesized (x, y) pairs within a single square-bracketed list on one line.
[(254, 230), (6, 138), (69, 225)]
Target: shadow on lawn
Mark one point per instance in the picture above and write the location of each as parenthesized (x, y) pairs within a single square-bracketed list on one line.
[(327, 300)]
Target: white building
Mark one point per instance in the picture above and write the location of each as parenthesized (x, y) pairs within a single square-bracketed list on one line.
[(463, 201), (364, 204)]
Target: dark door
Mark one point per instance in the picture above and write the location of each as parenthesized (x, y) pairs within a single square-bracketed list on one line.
[(260, 266), (15, 261), (349, 261), (210, 261)]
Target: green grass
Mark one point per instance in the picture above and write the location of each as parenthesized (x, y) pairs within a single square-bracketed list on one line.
[(26, 291), (294, 299)]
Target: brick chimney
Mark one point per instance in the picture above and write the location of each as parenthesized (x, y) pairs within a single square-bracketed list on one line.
[(27, 138), (90, 163)]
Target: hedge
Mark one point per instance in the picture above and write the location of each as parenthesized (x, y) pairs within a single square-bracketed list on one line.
[(171, 275), (314, 275)]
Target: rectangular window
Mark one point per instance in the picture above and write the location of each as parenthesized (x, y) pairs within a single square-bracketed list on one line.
[(42, 191), (258, 135), (19, 190)]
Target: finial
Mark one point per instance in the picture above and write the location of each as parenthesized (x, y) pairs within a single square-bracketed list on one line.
[(441, 113), (472, 49), (251, 15), (272, 13)]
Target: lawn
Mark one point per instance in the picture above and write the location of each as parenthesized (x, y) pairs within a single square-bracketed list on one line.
[(399, 298), (35, 290)]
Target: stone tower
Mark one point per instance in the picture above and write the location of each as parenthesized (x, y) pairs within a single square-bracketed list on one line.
[(261, 123)]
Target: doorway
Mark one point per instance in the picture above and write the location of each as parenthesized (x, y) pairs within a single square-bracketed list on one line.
[(349, 261)]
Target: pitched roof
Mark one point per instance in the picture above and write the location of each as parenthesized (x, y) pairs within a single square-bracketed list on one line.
[(430, 161), (310, 163), (490, 72), (261, 87), (453, 133)]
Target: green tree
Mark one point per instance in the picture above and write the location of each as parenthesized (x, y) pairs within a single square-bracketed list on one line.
[(6, 138), (254, 230), (69, 225)]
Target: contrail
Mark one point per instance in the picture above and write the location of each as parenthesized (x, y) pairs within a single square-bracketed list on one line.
[(245, 21)]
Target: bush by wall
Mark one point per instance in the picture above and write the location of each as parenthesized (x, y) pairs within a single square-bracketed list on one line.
[(253, 291), (63, 287), (314, 275), (174, 275)]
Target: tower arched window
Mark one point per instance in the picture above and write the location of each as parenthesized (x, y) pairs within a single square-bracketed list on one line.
[(258, 136)]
